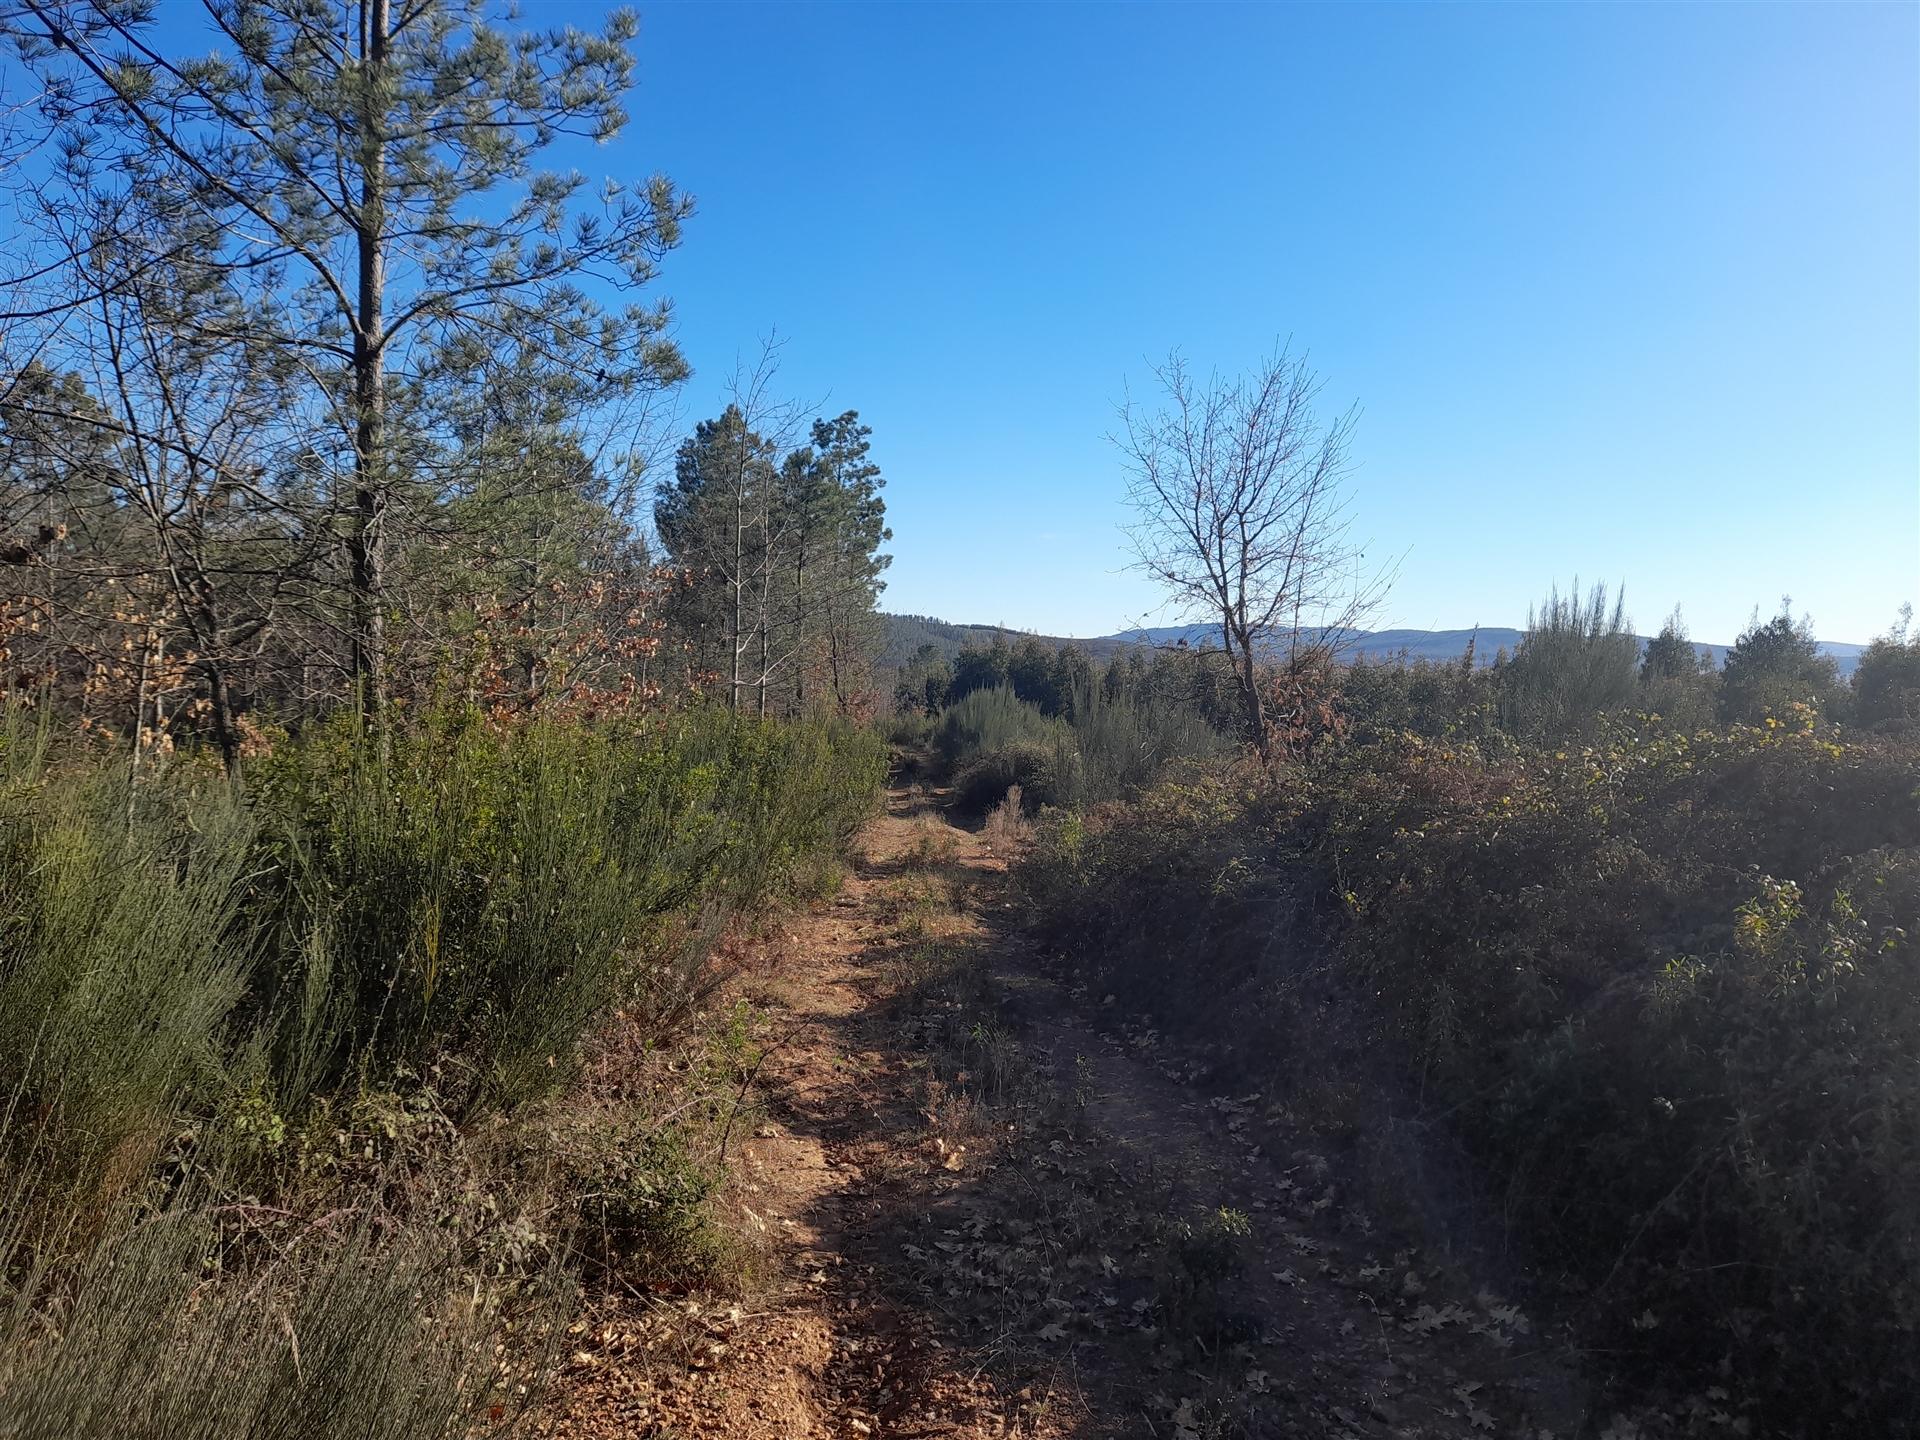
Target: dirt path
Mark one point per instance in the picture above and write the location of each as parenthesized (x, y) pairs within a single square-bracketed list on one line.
[(986, 1213)]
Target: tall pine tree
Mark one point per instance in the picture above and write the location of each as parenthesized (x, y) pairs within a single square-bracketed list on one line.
[(371, 173)]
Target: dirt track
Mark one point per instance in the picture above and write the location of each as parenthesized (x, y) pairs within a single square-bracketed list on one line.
[(991, 1209)]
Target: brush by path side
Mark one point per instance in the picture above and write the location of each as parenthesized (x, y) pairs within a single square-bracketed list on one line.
[(989, 1207)]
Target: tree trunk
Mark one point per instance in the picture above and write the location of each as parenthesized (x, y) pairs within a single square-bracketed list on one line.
[(736, 633), (799, 628), (226, 734), (139, 718), (366, 546), (1250, 698), (833, 659), (762, 704)]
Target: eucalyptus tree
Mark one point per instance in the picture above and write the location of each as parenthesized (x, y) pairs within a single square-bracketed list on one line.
[(369, 179)]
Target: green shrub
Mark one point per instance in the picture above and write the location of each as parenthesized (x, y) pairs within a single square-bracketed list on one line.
[(122, 956), (1125, 743), (1665, 988), (484, 895), (1886, 685), (1577, 661), (993, 741), (910, 729), (992, 719), (1775, 666), (204, 995), (1046, 775), (642, 1199), (345, 1337)]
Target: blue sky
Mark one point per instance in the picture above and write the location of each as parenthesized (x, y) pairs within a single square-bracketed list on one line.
[(1627, 292)]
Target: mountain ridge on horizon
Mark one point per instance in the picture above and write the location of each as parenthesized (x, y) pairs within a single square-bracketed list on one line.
[(906, 633)]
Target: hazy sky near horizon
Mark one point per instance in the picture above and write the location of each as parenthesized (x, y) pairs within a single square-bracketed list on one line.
[(1627, 292)]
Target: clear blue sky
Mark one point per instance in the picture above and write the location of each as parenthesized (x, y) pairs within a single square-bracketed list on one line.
[(1627, 291), (1630, 292)]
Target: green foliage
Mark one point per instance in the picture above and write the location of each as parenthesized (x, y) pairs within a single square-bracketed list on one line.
[(642, 1199), (1576, 661), (1670, 655), (1676, 681), (1045, 774), (1457, 701), (279, 214), (790, 555), (122, 956), (488, 894), (717, 517), (987, 667), (461, 903), (202, 995), (1661, 986), (1773, 667), (987, 720), (992, 740), (1124, 742), (1039, 673), (1886, 684), (924, 683), (344, 1337), (1195, 1258), (834, 561), (909, 634)]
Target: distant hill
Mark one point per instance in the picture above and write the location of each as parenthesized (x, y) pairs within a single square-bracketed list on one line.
[(1432, 645), (907, 633)]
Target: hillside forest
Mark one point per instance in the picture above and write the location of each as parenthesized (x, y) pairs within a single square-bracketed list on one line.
[(459, 814)]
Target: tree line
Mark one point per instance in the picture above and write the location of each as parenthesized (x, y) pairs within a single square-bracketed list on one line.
[(1577, 663), (321, 383)]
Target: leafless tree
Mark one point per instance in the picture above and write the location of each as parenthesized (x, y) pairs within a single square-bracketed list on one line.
[(1242, 516)]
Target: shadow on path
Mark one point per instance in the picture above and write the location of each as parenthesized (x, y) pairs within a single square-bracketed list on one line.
[(1024, 1226)]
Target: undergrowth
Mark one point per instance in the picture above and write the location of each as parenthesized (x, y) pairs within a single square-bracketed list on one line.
[(1660, 989), (282, 1069), (991, 742)]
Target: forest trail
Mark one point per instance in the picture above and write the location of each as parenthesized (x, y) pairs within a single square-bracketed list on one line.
[(989, 1207)]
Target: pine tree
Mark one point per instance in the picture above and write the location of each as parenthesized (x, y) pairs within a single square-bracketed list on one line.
[(718, 519), (846, 486), (369, 173), (790, 555), (1670, 655), (1676, 680), (1775, 665)]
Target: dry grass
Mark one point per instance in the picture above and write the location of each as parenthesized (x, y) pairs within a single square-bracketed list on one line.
[(932, 846), (1008, 832)]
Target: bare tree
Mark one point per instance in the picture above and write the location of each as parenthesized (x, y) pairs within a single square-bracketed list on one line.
[(1242, 515)]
